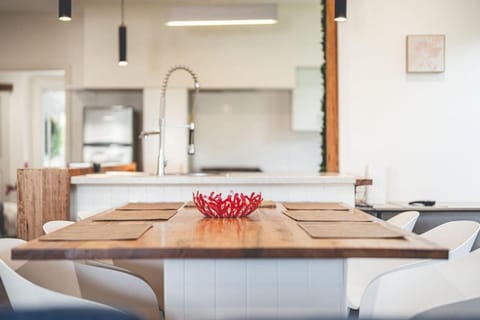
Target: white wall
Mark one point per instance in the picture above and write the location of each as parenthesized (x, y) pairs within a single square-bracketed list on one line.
[(23, 144), (245, 56), (39, 41), (423, 128), (19, 142)]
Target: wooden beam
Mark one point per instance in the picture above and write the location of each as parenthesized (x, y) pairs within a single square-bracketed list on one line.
[(6, 87), (331, 88)]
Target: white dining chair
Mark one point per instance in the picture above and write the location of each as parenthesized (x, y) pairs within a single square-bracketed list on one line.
[(24, 294), (405, 220), (84, 214), (106, 286), (151, 270), (406, 293), (457, 236), (54, 225)]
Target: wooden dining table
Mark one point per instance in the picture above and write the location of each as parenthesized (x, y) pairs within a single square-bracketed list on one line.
[(263, 265)]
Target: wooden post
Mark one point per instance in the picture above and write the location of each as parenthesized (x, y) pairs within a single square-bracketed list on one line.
[(43, 195), (332, 152)]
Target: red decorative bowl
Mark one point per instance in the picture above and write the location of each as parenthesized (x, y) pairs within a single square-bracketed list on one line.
[(235, 205)]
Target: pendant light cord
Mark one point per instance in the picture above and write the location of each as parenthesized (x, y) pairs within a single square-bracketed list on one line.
[(123, 13)]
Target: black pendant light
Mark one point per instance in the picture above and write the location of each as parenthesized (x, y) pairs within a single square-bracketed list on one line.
[(340, 10), (64, 10), (122, 41)]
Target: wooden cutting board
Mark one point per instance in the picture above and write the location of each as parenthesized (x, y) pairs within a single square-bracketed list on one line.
[(326, 215), (152, 206), (346, 230), (83, 231), (135, 215), (315, 206)]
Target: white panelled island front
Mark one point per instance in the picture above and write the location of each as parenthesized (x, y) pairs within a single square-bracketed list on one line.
[(98, 192)]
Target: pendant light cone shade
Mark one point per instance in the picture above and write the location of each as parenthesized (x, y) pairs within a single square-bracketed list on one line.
[(122, 45), (65, 10), (340, 10)]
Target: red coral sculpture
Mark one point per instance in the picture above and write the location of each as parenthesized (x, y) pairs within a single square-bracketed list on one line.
[(235, 205)]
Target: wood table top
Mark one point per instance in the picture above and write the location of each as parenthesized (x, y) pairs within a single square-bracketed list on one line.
[(266, 233)]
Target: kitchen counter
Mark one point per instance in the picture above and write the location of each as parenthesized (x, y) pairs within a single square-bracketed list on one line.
[(129, 178), (97, 192)]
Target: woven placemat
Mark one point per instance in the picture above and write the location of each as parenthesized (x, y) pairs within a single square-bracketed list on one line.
[(135, 215), (88, 231), (268, 204), (348, 230), (315, 206), (151, 206), (326, 215)]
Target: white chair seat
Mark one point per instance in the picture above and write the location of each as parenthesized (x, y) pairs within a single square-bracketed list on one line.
[(466, 309)]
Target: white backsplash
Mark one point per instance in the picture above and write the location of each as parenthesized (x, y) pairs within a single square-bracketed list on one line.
[(252, 128)]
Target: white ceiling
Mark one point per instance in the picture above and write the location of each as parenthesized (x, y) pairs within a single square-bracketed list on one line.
[(51, 5)]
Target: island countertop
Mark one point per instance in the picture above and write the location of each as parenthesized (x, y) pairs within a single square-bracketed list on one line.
[(266, 233), (234, 178)]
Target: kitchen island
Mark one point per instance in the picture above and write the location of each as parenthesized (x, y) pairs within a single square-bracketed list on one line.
[(263, 265), (96, 192)]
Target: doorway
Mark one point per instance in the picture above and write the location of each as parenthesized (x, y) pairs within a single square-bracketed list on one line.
[(33, 121)]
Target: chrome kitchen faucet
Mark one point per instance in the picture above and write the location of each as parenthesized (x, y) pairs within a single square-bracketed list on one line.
[(161, 132)]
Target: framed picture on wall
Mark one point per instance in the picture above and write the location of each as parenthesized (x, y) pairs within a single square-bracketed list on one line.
[(426, 53)]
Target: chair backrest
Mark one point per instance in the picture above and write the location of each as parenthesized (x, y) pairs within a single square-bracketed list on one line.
[(119, 289), (405, 293), (405, 220), (6, 245), (457, 236), (56, 275), (104, 285), (23, 294), (84, 214), (54, 225)]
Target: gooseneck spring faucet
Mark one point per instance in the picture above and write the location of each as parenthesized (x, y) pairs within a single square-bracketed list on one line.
[(162, 125)]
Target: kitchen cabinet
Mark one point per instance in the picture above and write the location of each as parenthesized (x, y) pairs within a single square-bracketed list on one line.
[(307, 99)]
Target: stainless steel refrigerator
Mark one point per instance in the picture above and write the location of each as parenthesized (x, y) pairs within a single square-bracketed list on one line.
[(108, 134)]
